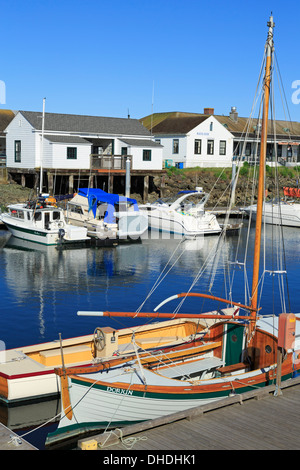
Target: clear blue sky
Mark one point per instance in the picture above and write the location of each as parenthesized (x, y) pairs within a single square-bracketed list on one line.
[(102, 57)]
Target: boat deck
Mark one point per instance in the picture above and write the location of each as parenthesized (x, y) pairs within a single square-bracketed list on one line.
[(265, 422)]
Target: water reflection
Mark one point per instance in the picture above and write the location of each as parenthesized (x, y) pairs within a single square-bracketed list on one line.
[(47, 285), (43, 287)]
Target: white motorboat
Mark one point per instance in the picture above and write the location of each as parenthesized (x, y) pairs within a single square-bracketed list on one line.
[(106, 215), (42, 222), (182, 215), (278, 213)]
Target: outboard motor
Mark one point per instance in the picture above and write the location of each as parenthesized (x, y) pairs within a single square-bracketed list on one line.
[(61, 233)]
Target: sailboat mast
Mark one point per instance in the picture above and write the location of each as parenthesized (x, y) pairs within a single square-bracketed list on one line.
[(261, 178), (42, 148)]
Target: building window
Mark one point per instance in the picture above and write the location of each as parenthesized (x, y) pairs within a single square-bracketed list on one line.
[(197, 149), (222, 147), (17, 150), (279, 150), (71, 153), (147, 155), (175, 146), (211, 126), (210, 147), (248, 149)]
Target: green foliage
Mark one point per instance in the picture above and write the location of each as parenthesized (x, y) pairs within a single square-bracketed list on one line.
[(288, 172), (244, 171)]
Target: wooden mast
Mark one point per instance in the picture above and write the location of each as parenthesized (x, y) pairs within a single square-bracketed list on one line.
[(261, 179)]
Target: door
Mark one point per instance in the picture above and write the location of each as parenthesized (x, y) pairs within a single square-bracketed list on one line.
[(47, 220), (234, 343)]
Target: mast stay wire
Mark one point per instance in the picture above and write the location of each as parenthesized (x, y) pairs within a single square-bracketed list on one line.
[(221, 238)]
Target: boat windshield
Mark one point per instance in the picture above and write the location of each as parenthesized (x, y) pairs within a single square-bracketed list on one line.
[(192, 199), (19, 214)]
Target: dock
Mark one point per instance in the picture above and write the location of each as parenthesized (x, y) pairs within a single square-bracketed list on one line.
[(223, 211), (256, 420), (11, 441)]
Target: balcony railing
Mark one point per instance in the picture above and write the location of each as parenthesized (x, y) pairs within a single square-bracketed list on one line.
[(109, 162)]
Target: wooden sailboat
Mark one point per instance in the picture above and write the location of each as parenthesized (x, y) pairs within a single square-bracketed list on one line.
[(236, 354)]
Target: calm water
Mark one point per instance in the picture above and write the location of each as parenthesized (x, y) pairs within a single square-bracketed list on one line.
[(42, 288)]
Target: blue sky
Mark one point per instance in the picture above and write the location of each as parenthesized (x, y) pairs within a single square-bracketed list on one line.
[(104, 58)]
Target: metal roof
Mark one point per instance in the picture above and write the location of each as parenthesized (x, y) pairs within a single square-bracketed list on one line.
[(141, 142), (85, 124), (65, 139)]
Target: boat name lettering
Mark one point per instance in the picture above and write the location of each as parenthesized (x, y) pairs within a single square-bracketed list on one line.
[(119, 390)]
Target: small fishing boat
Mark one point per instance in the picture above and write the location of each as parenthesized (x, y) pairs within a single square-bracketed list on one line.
[(237, 353), (182, 214), (106, 215), (41, 221)]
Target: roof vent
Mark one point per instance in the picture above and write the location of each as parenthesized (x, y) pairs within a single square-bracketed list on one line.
[(233, 114)]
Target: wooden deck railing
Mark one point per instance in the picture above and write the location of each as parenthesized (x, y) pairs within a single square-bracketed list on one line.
[(109, 162)]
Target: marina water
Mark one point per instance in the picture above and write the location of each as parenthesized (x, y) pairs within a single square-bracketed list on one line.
[(42, 288)]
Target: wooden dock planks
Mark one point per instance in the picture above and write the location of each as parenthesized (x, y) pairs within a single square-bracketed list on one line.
[(11, 441), (266, 423)]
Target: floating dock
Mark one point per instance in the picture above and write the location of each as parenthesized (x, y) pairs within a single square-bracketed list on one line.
[(256, 420)]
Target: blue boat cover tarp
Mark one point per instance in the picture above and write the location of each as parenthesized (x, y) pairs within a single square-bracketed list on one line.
[(97, 196)]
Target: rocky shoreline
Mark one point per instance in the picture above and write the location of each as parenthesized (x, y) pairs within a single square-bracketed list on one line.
[(218, 184), (216, 181)]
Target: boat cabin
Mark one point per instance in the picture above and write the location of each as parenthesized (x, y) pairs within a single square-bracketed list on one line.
[(48, 218)]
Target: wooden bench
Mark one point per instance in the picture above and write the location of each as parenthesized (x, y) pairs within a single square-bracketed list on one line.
[(71, 354), (158, 339), (233, 368)]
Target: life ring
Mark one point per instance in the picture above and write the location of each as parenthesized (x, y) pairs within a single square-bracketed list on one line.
[(99, 339)]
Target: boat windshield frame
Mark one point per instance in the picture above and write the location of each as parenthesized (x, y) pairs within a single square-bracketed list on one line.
[(182, 198)]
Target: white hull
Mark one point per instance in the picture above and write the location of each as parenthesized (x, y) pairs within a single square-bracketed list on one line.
[(181, 216), (173, 223), (111, 406), (103, 405), (37, 236), (286, 214), (122, 224)]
